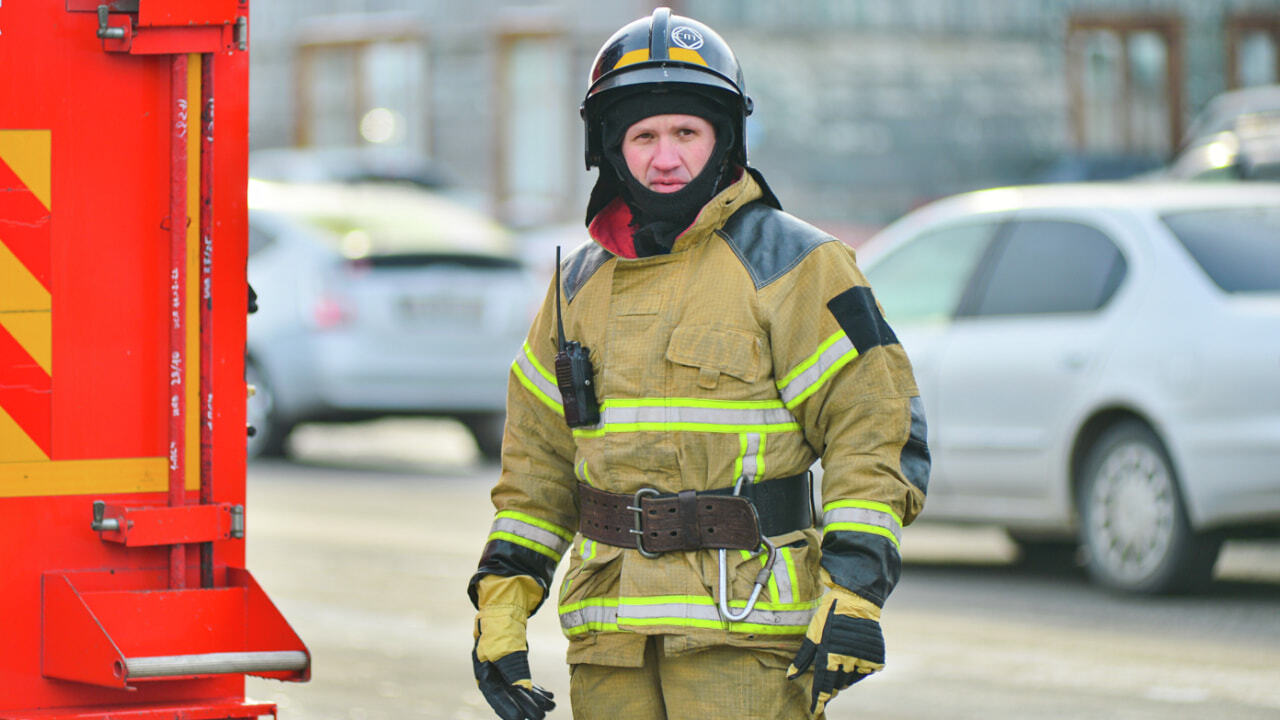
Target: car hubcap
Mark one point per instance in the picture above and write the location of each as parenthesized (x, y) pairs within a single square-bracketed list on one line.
[(1133, 507)]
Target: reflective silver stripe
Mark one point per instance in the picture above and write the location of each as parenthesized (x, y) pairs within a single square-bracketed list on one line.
[(782, 576), (609, 615), (751, 457), (668, 415), (814, 375), (531, 371), (863, 516), (590, 617), (677, 613), (529, 531)]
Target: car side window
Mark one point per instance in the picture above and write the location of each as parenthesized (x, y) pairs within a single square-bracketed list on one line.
[(1046, 266), (922, 279)]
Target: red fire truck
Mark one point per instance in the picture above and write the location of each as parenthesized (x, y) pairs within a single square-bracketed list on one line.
[(123, 299)]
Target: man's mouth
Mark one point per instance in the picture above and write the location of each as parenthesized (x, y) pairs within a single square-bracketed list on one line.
[(666, 186)]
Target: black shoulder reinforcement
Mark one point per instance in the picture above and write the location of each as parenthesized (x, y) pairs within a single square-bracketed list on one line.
[(916, 460), (859, 316), (580, 265), (769, 242)]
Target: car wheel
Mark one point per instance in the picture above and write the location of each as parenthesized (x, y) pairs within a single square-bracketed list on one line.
[(487, 430), (1134, 527), (269, 432)]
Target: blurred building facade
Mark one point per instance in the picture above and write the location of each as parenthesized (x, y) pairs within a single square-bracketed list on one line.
[(865, 108)]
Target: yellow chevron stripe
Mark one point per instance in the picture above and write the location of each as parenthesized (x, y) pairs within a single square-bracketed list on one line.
[(21, 289), (15, 446), (34, 332), (83, 477), (28, 153)]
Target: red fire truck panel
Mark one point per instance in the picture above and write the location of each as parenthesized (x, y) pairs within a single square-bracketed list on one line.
[(123, 226)]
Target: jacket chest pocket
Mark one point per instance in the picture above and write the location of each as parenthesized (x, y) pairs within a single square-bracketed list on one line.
[(714, 351)]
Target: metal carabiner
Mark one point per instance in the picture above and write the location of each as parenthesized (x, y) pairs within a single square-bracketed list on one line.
[(638, 530), (762, 577)]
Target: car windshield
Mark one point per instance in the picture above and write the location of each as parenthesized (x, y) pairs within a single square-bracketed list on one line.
[(1239, 248)]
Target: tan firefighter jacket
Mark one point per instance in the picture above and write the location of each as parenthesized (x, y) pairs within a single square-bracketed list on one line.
[(752, 349)]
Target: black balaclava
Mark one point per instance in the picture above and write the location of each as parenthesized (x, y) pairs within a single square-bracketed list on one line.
[(657, 218)]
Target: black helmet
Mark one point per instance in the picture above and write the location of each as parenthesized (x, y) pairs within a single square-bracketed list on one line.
[(665, 49)]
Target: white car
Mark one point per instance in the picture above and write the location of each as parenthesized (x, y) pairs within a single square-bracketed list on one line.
[(379, 299), (1098, 362)]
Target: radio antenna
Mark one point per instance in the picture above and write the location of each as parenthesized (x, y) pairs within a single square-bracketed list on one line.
[(559, 320)]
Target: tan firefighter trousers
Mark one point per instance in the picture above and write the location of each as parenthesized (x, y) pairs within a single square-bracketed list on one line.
[(718, 682)]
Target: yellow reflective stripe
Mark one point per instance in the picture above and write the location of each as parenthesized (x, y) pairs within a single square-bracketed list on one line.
[(760, 458), (685, 55), (699, 611), (533, 360), (536, 522), (590, 602), (749, 464), (525, 542), (773, 579), (835, 368), (773, 582), (690, 415), (864, 505), (863, 527), (537, 392), (684, 427), (676, 53), (811, 360), (691, 403), (806, 378), (590, 626), (631, 58), (592, 614), (785, 552), (711, 602), (742, 453), (714, 625)]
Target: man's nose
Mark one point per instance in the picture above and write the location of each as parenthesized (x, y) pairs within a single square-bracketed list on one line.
[(666, 156)]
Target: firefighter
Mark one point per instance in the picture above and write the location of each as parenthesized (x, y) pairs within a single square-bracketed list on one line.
[(686, 369)]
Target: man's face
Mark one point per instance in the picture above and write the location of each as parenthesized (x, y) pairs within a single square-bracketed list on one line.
[(666, 152)]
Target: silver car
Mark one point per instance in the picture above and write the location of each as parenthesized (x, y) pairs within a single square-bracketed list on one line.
[(1098, 362), (378, 299)]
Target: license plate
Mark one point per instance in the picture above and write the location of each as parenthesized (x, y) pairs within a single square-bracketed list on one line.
[(441, 309)]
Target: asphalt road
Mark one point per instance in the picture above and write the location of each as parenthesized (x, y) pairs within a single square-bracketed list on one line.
[(366, 541)]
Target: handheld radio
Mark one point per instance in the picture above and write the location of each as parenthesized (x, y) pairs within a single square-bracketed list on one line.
[(574, 373)]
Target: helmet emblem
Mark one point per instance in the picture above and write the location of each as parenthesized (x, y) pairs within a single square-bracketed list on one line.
[(686, 37)]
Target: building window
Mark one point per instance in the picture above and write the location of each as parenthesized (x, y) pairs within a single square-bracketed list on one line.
[(1125, 84), (535, 120), (362, 83), (1253, 50)]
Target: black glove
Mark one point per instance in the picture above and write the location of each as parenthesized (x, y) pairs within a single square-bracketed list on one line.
[(506, 684), (842, 647)]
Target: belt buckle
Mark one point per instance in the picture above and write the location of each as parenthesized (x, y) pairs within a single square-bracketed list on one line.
[(638, 530)]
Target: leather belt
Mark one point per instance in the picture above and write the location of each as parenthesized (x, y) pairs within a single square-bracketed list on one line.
[(656, 523)]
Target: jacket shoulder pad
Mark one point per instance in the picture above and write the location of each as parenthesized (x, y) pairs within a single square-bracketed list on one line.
[(770, 242), (580, 265)]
